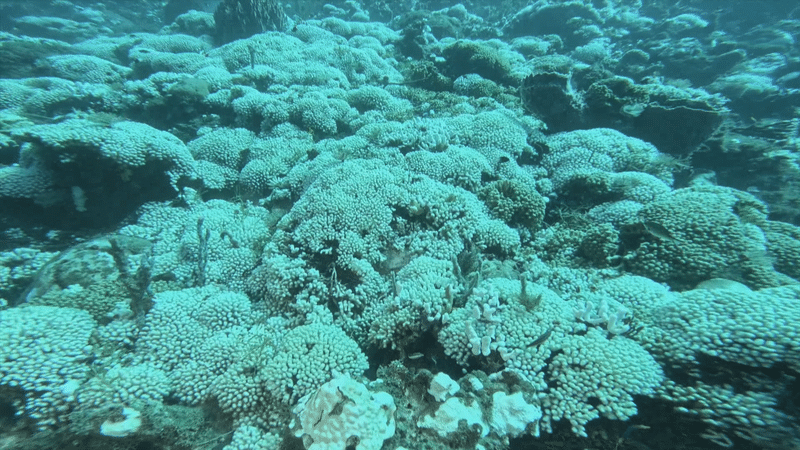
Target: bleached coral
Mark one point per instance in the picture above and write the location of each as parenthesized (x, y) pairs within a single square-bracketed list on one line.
[(595, 377), (46, 354), (343, 411), (307, 357)]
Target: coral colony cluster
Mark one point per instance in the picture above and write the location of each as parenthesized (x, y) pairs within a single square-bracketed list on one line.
[(402, 225)]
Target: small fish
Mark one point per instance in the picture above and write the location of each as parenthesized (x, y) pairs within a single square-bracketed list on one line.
[(540, 340), (658, 230)]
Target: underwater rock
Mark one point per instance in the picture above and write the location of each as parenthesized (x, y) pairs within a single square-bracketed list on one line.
[(550, 98), (674, 119), (106, 276)]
